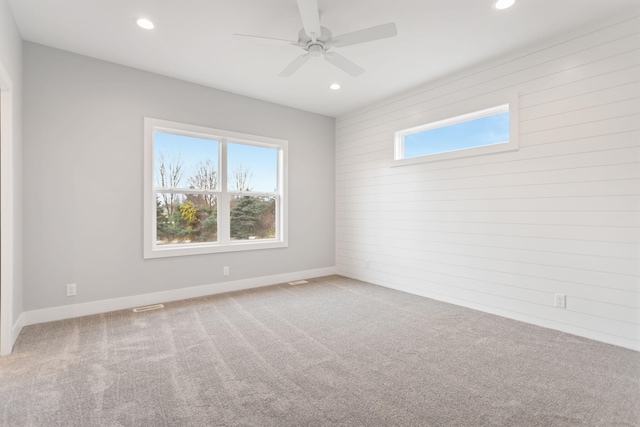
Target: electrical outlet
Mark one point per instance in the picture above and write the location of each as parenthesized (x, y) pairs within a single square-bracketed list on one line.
[(71, 289), (561, 300), (225, 271)]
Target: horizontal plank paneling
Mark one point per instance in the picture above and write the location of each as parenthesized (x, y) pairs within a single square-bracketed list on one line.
[(612, 234), (513, 311), (620, 92), (588, 219), (452, 179), (627, 250), (498, 69), (587, 151), (412, 278), (573, 90), (451, 262), (438, 102), (505, 232), (557, 119), (455, 178), (573, 204), (576, 189), (564, 255), (533, 289)]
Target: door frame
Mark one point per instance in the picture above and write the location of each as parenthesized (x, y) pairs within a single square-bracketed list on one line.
[(7, 204)]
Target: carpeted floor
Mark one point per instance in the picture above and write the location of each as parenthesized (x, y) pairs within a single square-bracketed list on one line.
[(335, 351)]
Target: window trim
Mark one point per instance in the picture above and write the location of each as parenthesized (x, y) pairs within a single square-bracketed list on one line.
[(152, 250), (511, 145)]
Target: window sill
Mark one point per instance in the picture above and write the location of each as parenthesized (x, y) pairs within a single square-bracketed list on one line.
[(170, 250), (458, 154)]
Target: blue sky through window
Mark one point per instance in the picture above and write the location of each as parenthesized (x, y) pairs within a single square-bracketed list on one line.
[(478, 132), (261, 161)]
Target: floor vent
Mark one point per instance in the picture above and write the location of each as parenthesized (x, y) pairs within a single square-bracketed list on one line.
[(298, 282), (148, 308)]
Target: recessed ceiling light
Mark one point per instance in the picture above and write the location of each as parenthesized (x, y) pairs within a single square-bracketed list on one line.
[(334, 86), (504, 4), (145, 23)]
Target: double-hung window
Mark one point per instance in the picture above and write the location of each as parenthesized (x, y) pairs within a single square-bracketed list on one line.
[(209, 190)]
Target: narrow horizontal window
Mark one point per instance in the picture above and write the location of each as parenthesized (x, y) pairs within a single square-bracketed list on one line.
[(480, 132)]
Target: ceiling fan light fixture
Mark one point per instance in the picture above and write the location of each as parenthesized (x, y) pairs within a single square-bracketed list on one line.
[(145, 23), (315, 50), (334, 86), (504, 4)]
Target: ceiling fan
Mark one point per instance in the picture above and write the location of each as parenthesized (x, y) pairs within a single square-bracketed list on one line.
[(317, 40)]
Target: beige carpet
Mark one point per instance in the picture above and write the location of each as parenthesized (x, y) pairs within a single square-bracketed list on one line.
[(332, 352)]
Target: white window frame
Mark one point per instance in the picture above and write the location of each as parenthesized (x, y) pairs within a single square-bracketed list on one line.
[(510, 145), (224, 243)]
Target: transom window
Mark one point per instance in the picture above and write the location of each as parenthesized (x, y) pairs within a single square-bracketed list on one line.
[(209, 190), (480, 132)]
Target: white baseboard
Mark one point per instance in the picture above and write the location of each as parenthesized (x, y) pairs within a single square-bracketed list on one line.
[(17, 328), (85, 309), (574, 330), (7, 347)]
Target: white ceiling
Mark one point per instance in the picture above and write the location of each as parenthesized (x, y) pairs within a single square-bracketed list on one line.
[(193, 40)]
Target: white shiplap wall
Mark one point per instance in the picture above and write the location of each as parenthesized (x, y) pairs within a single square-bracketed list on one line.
[(503, 233)]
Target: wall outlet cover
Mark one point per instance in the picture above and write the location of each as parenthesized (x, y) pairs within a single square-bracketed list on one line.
[(561, 300), (71, 289)]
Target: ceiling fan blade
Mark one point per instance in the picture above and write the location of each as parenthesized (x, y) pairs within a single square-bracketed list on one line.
[(266, 40), (368, 34), (343, 63), (295, 65), (310, 18)]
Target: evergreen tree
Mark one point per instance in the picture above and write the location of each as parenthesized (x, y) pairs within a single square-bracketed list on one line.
[(245, 217), (162, 222)]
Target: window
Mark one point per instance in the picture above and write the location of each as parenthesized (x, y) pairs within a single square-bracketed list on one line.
[(209, 190), (486, 131)]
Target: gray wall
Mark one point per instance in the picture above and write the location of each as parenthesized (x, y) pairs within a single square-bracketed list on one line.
[(83, 158), (11, 60), (504, 232)]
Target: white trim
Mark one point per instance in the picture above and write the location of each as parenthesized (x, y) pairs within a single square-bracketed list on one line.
[(283, 187), (17, 328), (569, 329), (511, 145), (224, 244), (96, 307), (7, 337), (457, 119)]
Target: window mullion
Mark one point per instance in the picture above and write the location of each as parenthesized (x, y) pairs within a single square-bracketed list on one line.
[(168, 190), (224, 220)]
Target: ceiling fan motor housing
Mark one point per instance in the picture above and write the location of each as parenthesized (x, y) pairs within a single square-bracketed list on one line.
[(315, 48)]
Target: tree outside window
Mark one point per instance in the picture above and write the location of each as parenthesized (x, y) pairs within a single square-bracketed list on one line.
[(212, 191)]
